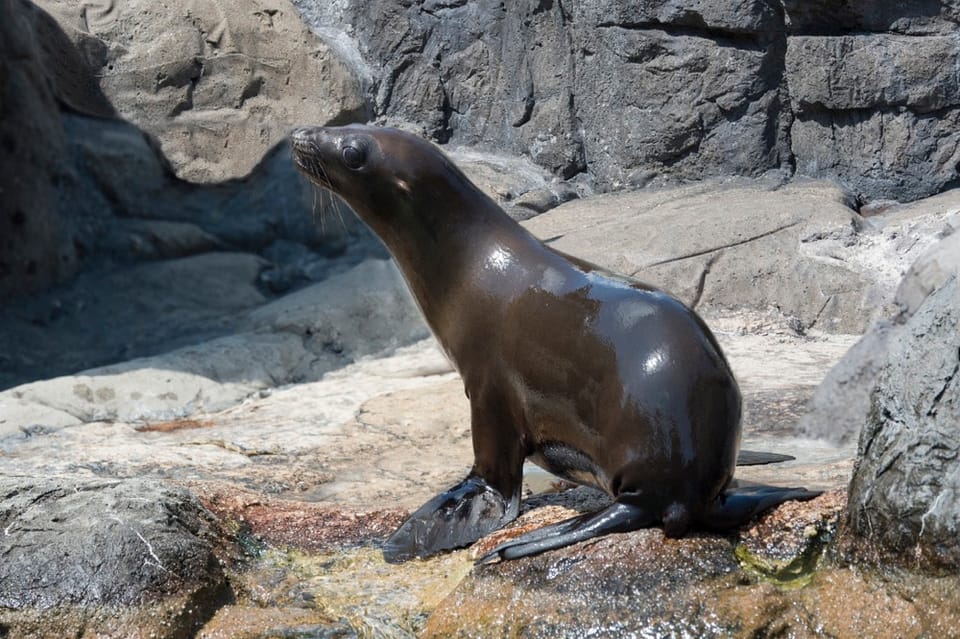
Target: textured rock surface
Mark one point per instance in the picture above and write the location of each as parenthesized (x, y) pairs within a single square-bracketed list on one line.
[(839, 408), (905, 492), (879, 112), (633, 93), (76, 548), (295, 339), (218, 83), (640, 584), (35, 250)]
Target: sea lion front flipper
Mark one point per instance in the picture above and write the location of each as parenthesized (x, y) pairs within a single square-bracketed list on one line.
[(618, 517), (739, 505), (453, 519)]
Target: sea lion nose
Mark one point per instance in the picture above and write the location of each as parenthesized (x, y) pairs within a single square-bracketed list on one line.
[(303, 134)]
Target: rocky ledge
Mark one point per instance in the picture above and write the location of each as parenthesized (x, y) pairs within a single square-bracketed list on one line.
[(274, 460)]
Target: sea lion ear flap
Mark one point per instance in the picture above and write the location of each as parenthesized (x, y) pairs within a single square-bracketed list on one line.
[(404, 187), (454, 519)]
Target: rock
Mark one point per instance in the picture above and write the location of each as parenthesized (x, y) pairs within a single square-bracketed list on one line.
[(127, 313), (660, 101), (298, 338), (740, 244), (654, 92), (217, 83), (36, 250), (905, 491), (520, 187), (566, 84), (624, 584), (106, 556), (826, 16), (931, 270), (639, 583), (840, 405), (869, 128)]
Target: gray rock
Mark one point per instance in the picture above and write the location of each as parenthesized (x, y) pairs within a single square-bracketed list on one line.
[(35, 251), (219, 83), (919, 17), (76, 548), (711, 16), (661, 91), (745, 244), (298, 338), (905, 494), (931, 271), (635, 89), (871, 71), (839, 407), (881, 113)]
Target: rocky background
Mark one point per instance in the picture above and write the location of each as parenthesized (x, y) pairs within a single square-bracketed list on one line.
[(216, 395)]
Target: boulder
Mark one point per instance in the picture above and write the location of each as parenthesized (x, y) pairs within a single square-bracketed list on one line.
[(106, 557), (925, 253), (905, 491), (218, 83)]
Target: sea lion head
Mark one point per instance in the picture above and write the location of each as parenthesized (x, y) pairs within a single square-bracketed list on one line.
[(376, 170)]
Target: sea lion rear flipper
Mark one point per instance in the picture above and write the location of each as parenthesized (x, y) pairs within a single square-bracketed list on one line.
[(618, 517), (453, 519), (758, 458), (739, 505)]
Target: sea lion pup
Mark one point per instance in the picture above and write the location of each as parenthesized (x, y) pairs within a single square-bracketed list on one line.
[(599, 379)]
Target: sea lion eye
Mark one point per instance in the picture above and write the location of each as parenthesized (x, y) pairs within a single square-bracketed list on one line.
[(353, 156)]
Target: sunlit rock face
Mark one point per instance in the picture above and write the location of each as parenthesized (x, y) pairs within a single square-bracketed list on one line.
[(629, 94)]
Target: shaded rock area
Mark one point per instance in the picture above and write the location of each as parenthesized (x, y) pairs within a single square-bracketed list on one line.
[(129, 557), (626, 94), (33, 252)]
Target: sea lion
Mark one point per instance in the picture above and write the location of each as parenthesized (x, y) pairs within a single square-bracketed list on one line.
[(596, 377)]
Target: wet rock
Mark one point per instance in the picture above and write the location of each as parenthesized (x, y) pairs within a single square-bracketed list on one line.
[(905, 492), (298, 525), (254, 622), (771, 578), (620, 584), (92, 556)]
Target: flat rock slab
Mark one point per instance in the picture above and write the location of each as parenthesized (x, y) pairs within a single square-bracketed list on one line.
[(396, 430), (797, 250)]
